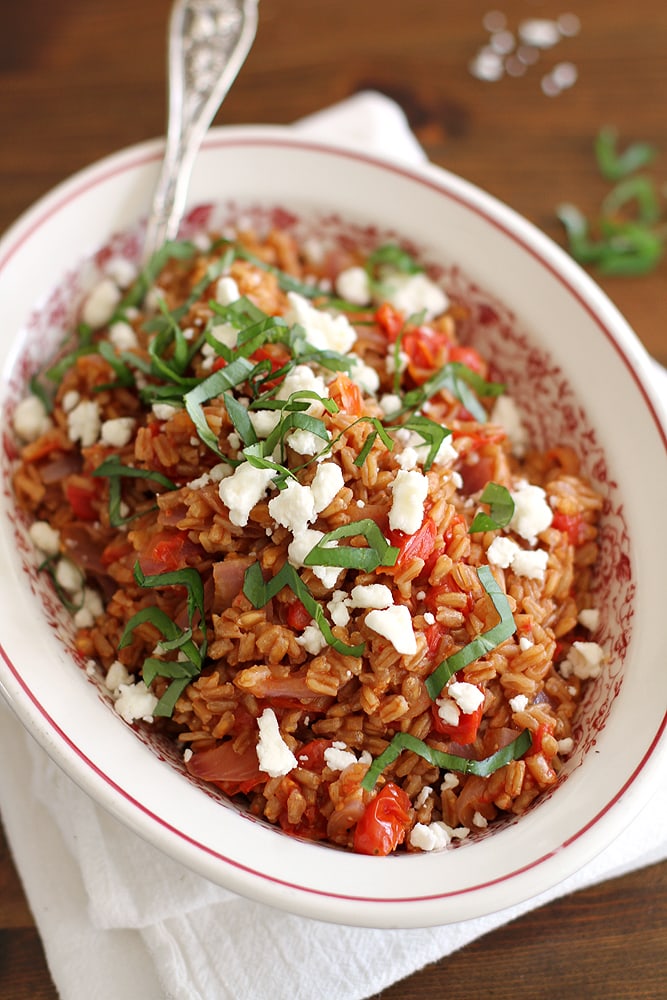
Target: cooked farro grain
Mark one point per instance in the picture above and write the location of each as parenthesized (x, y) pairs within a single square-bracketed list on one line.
[(255, 434)]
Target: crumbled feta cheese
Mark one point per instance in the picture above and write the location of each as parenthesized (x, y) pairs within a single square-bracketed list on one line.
[(163, 411), (118, 431), (394, 624), (415, 293), (467, 696), (68, 575), (429, 618), (431, 837), (479, 821), (407, 459), (312, 639), (327, 483), (364, 376), (518, 703), (264, 422), (506, 414), (70, 400), (423, 796), (353, 285), (225, 333), (589, 618), (448, 711), (324, 331), (337, 608), (121, 270), (83, 423), (30, 418), (303, 378), (135, 702), (409, 491), (525, 643), (122, 336), (584, 660), (233, 440), (532, 513), (446, 453), (530, 563), (226, 291), (304, 442), (91, 609), (100, 305), (449, 781), (391, 362), (117, 675), (303, 543), (274, 756), (45, 538), (337, 757), (294, 507), (565, 746), (390, 404), (242, 490), (372, 595), (502, 551)]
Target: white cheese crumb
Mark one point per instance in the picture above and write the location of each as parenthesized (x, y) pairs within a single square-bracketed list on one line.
[(364, 376), (372, 595), (264, 422), (135, 702), (121, 270), (416, 293), (30, 419), (429, 618), (117, 675), (118, 431), (226, 291), (324, 331), (164, 411), (479, 821), (431, 837), (187, 754), (45, 538), (407, 459), (394, 624), (302, 377), (409, 491), (390, 403), (589, 618), (99, 307), (91, 609), (506, 414), (566, 746), (303, 543), (327, 483), (518, 703), (532, 513), (449, 781), (584, 660), (70, 400), (294, 507), (68, 575), (312, 639), (304, 442), (353, 285), (531, 564), (83, 423), (502, 551), (448, 711), (337, 757), (242, 490), (122, 336), (337, 608), (525, 643), (423, 796), (274, 756)]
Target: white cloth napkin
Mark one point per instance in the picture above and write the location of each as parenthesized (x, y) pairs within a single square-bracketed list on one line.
[(119, 919)]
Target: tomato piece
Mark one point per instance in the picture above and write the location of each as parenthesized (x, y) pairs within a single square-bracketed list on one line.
[(466, 729), (384, 822), (311, 755), (81, 494), (434, 634), (115, 551), (469, 357), (390, 321), (572, 525), (230, 771), (420, 545), (277, 355), (537, 746), (346, 394), (167, 551), (297, 616), (218, 364)]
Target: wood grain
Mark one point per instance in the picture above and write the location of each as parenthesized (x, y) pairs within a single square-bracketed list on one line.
[(82, 78)]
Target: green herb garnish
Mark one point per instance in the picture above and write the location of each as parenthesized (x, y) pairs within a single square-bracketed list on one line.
[(445, 761), (481, 644), (260, 593), (378, 552), (113, 470), (501, 509)]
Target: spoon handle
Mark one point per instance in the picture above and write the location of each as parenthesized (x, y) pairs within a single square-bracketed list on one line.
[(208, 43)]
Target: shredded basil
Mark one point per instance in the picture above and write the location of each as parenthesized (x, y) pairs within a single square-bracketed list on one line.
[(614, 165), (501, 509), (446, 761), (482, 644), (378, 553), (432, 433), (112, 469), (225, 378), (260, 593)]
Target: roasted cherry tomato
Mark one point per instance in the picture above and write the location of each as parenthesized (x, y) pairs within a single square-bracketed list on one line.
[(420, 545), (572, 525), (297, 616), (346, 394), (466, 729), (81, 494), (384, 822)]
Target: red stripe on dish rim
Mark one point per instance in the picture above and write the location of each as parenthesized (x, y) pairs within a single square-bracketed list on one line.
[(144, 157)]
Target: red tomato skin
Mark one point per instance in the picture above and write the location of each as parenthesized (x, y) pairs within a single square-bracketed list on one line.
[(384, 822), (80, 498), (572, 525), (389, 320), (297, 616), (469, 357), (466, 729), (420, 545)]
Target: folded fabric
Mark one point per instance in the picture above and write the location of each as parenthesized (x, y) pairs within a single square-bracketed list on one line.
[(118, 918)]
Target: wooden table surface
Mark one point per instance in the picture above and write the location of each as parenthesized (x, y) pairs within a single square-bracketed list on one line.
[(81, 78)]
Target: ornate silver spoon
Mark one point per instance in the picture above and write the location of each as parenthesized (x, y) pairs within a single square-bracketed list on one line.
[(208, 43)]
